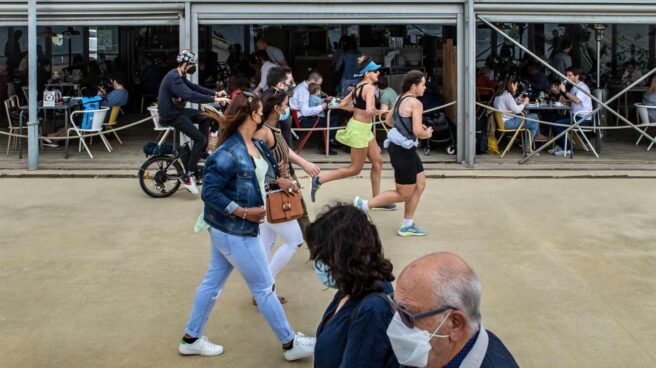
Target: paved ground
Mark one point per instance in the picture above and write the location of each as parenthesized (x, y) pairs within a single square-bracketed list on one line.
[(94, 273)]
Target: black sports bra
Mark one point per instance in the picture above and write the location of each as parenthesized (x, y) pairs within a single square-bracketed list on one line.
[(361, 103)]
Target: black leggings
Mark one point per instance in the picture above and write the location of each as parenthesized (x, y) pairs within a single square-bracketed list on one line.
[(185, 124)]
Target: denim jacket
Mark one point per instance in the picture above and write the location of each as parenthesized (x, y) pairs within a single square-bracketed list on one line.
[(230, 182)]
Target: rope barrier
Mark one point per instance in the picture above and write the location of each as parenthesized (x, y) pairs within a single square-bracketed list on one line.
[(373, 123), (109, 131), (508, 113)]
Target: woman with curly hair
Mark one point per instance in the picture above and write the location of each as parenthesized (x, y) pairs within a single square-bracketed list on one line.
[(348, 256)]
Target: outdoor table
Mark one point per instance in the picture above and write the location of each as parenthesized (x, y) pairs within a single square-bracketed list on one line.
[(553, 107), (65, 106)]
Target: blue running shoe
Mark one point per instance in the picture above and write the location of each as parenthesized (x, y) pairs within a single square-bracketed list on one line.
[(412, 230), (315, 186), (387, 207)]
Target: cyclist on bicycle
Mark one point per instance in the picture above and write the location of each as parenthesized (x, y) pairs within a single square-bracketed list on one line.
[(174, 92)]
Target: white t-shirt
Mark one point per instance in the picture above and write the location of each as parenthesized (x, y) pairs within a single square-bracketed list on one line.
[(264, 72), (586, 101), (275, 54)]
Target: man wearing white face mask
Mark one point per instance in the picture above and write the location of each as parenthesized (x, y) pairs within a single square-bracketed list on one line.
[(437, 321)]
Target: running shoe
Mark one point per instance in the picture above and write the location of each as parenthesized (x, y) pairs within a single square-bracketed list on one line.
[(358, 203), (190, 184), (387, 207), (202, 347), (303, 347), (412, 230), (315, 186)]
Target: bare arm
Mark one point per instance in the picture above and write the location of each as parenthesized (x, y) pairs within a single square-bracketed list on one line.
[(265, 135), (370, 98), (418, 128), (307, 166)]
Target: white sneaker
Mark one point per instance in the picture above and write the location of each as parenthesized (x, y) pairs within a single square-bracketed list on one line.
[(554, 150), (562, 153), (202, 346), (190, 183), (303, 347)]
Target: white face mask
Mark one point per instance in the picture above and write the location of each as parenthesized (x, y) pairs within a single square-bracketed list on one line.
[(411, 345)]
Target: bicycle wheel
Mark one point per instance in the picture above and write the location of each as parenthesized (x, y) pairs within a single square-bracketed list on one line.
[(159, 178)]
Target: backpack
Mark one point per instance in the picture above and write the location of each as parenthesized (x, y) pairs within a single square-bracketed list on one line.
[(89, 103)]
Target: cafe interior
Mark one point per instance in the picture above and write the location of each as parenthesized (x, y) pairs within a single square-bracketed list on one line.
[(76, 61)]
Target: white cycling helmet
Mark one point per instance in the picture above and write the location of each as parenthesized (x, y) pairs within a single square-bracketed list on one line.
[(186, 56)]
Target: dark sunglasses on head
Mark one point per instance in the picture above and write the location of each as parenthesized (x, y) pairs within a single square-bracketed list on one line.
[(408, 318)]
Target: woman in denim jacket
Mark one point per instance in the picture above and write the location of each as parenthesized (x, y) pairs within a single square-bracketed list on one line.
[(233, 192)]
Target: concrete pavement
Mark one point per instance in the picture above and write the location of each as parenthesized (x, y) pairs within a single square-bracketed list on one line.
[(94, 273)]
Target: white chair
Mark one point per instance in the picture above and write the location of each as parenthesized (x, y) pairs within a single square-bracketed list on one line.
[(643, 112), (580, 131), (12, 105), (96, 127), (163, 130), (26, 93)]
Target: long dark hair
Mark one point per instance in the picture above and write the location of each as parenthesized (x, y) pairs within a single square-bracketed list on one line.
[(271, 100), (507, 86), (363, 61), (238, 111), (346, 241)]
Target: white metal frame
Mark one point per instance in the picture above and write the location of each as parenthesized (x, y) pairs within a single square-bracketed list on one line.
[(643, 113), (164, 131), (96, 127)]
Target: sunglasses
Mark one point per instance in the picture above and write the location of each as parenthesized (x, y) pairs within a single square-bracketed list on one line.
[(408, 318)]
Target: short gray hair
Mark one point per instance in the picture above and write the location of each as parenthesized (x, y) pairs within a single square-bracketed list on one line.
[(460, 289)]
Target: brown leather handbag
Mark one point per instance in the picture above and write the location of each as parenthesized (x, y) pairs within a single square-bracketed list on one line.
[(283, 206)]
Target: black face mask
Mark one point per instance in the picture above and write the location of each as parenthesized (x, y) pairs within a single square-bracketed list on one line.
[(259, 125), (191, 70)]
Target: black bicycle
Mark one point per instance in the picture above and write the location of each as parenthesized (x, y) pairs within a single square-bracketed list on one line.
[(161, 175)]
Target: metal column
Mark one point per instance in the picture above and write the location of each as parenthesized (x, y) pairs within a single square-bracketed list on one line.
[(33, 122), (461, 86), (470, 84)]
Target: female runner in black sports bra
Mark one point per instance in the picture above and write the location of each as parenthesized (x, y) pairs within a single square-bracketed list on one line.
[(358, 134)]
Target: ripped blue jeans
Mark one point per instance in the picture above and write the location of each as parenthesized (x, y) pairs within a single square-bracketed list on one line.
[(247, 255)]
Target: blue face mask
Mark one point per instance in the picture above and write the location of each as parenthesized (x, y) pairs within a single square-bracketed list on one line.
[(285, 116), (323, 274)]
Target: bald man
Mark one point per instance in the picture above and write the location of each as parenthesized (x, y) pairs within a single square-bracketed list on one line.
[(438, 321)]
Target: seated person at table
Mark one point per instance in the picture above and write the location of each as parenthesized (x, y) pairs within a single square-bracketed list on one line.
[(650, 100), (580, 102), (315, 97), (485, 83), (300, 102), (43, 74), (118, 95), (388, 95), (537, 79), (631, 73), (505, 101)]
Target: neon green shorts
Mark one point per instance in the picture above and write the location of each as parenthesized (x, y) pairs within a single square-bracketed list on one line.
[(356, 135)]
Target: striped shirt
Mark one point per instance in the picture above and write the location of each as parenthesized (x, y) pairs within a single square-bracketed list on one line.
[(280, 148)]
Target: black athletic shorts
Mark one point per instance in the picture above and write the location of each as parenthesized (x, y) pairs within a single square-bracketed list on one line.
[(406, 164)]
